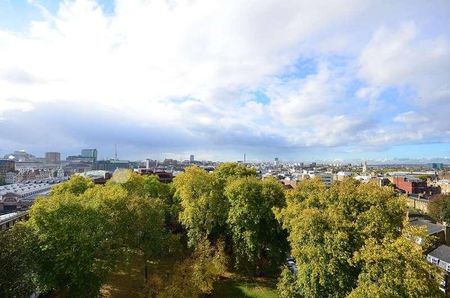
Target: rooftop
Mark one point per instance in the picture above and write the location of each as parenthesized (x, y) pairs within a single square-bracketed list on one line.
[(442, 253), (432, 228)]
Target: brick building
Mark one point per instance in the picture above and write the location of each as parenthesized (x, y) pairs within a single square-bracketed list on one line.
[(410, 185)]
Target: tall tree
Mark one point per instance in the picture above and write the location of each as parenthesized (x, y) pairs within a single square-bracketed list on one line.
[(147, 228), (258, 240), (395, 267), (76, 185), (439, 208), (234, 170), (76, 245), (204, 208), (73, 255), (16, 259), (327, 226), (196, 275)]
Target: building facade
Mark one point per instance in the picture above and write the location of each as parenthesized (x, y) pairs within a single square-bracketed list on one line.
[(52, 157), (89, 153), (410, 185), (6, 166)]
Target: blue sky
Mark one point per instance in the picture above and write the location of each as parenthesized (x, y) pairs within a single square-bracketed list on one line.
[(298, 80)]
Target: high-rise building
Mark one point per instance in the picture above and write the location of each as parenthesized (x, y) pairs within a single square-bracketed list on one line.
[(191, 158), (52, 157), (437, 166), (89, 153), (277, 161)]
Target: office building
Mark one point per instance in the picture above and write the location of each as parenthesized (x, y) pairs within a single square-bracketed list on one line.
[(191, 158), (437, 166), (111, 165), (52, 157), (277, 161), (89, 153)]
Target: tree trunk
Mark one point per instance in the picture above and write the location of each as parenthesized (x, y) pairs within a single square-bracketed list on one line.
[(145, 270)]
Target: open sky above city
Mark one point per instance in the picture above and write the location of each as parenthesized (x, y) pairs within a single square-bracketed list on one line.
[(300, 80)]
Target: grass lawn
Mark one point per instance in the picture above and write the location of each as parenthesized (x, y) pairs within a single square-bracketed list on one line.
[(237, 286), (128, 281)]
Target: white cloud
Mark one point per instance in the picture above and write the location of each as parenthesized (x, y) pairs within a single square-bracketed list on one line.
[(401, 57), (410, 117)]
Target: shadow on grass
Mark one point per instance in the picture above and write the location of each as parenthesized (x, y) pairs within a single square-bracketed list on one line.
[(243, 287)]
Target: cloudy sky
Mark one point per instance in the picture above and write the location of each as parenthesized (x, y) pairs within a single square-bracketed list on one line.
[(301, 80)]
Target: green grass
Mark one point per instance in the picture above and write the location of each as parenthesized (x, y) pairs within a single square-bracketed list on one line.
[(128, 281), (236, 286)]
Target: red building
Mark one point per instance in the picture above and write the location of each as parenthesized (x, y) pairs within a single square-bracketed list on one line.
[(410, 185)]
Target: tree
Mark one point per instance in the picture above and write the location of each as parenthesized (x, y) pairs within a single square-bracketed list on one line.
[(133, 222), (234, 170), (204, 208), (327, 226), (287, 285), (76, 185), (258, 240), (196, 275), (75, 246), (395, 267), (425, 177), (16, 255), (439, 208), (150, 187), (147, 228)]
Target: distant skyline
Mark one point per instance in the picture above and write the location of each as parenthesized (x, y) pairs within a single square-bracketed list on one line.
[(298, 80), (201, 157)]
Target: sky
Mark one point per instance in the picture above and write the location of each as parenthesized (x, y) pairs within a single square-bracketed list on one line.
[(295, 79)]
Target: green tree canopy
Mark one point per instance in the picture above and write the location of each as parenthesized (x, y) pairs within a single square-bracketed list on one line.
[(258, 239), (74, 251), (196, 275), (234, 170), (439, 208), (76, 185), (327, 226), (395, 267), (80, 238), (16, 255), (204, 208)]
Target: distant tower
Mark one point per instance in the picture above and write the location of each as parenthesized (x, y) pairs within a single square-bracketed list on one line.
[(244, 158), (115, 151), (191, 158), (147, 163), (277, 161), (365, 167)]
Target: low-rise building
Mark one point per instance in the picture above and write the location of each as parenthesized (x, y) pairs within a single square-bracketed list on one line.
[(444, 184), (20, 196), (410, 185), (111, 165), (342, 175), (440, 257)]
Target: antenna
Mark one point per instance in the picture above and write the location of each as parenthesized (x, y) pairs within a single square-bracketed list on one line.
[(115, 151)]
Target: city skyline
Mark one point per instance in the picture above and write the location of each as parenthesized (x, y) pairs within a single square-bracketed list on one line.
[(243, 158), (351, 80)]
